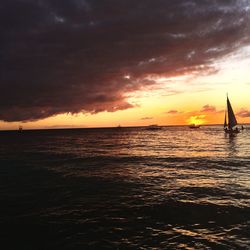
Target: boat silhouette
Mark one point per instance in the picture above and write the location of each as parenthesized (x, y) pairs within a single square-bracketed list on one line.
[(230, 122), (194, 126), (153, 127)]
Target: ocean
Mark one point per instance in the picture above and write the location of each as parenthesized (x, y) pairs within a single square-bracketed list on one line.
[(125, 188)]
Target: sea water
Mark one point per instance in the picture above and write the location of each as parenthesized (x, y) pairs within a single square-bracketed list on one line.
[(125, 188)]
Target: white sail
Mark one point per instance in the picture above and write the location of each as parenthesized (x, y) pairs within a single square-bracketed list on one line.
[(231, 117)]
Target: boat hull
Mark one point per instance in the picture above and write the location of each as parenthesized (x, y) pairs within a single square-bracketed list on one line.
[(153, 127), (232, 132), (194, 126)]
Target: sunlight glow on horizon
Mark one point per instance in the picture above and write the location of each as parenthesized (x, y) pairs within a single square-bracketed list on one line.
[(197, 119), (186, 94)]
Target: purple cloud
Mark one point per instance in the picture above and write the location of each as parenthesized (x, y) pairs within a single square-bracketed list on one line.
[(147, 118), (173, 112), (208, 108), (88, 56), (244, 113)]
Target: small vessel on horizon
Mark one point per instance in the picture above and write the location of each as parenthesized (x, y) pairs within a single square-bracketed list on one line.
[(20, 129), (153, 127), (194, 126), (230, 122)]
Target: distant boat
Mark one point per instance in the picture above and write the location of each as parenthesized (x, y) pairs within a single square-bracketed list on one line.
[(194, 126), (20, 129), (153, 127), (230, 121)]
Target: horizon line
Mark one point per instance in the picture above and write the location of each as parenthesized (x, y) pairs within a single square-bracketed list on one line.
[(108, 127)]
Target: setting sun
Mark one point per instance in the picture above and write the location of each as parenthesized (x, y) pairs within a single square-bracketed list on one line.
[(197, 119)]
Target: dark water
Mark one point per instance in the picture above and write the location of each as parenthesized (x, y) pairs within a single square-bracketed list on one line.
[(174, 188)]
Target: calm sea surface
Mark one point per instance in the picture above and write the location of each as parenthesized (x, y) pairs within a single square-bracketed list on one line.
[(174, 188)]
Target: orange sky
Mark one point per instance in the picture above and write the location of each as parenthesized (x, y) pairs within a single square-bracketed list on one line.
[(133, 63), (178, 100)]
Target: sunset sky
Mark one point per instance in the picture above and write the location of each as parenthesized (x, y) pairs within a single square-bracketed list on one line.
[(101, 63)]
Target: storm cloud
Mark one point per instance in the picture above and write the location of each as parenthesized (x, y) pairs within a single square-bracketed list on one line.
[(62, 56)]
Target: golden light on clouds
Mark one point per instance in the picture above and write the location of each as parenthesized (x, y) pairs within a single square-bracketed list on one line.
[(185, 96), (132, 76)]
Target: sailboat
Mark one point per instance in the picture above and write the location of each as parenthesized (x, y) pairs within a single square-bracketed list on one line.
[(230, 123)]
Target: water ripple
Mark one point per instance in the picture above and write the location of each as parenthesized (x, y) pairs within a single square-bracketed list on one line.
[(125, 188)]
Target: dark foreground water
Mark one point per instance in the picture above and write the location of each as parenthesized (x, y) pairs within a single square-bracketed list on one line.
[(174, 188)]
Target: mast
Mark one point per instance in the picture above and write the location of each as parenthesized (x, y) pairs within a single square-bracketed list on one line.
[(231, 117), (225, 121)]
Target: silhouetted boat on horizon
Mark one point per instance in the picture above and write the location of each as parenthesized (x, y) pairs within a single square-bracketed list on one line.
[(230, 122), (153, 127), (194, 126), (20, 129)]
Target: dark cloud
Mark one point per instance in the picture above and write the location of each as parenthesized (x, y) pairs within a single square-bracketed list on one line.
[(208, 108), (173, 112), (61, 56), (147, 118), (244, 113), (205, 109), (63, 126)]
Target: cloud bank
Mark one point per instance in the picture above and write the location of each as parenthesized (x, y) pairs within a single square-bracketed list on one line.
[(147, 118), (173, 112), (76, 56), (244, 113), (210, 109)]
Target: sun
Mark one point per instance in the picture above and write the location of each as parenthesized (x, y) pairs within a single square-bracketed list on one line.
[(196, 119)]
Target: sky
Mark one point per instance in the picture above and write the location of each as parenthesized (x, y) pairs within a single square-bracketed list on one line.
[(92, 63)]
